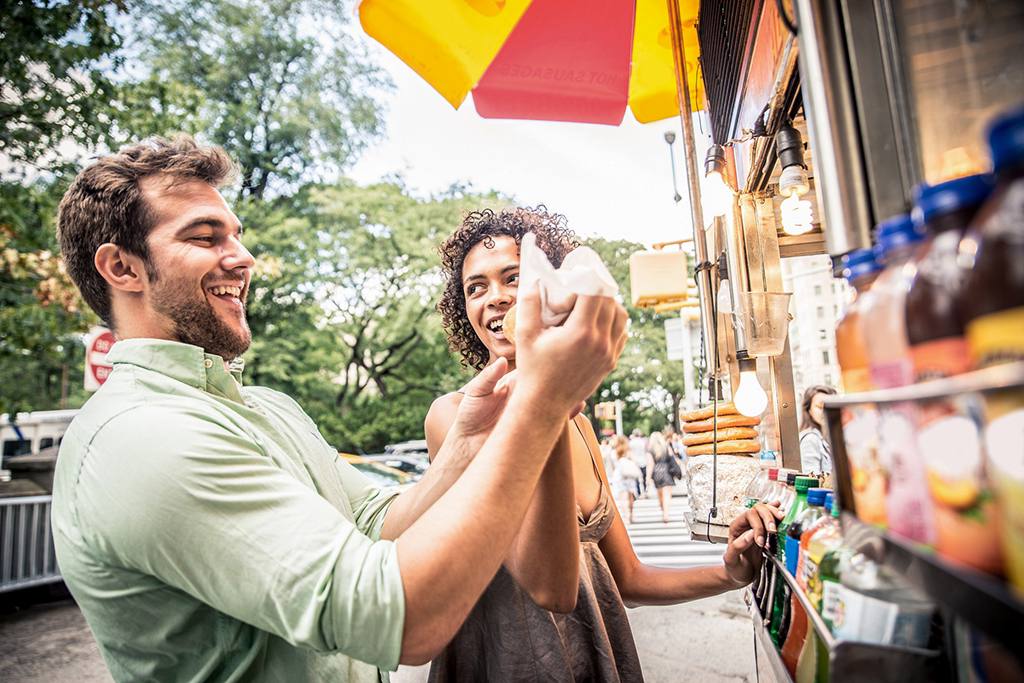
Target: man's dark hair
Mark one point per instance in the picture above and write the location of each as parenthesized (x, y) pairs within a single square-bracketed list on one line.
[(553, 238), (105, 204)]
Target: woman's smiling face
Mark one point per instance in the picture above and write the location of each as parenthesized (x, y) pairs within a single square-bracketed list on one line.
[(490, 278)]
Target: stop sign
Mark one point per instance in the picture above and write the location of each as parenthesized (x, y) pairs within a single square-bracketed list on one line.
[(97, 369)]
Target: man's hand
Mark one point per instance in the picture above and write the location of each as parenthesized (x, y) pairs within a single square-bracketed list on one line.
[(566, 364), (748, 533), (484, 399)]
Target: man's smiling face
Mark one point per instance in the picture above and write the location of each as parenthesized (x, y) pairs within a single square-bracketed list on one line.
[(199, 270)]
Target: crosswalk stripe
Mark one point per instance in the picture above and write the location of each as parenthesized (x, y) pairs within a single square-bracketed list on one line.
[(668, 544)]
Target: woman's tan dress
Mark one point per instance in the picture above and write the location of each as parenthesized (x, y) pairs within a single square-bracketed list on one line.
[(507, 637)]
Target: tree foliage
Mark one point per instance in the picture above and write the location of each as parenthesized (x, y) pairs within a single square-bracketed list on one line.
[(281, 85), (55, 87)]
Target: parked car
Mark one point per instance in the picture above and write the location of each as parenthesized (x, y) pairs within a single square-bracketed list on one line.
[(413, 465), (378, 472)]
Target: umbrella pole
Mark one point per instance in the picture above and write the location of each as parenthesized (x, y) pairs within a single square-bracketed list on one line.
[(693, 182)]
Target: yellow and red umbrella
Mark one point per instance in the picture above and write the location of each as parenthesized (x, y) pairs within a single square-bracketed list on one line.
[(552, 60)]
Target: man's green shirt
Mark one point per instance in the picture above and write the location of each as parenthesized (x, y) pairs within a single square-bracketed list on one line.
[(210, 533)]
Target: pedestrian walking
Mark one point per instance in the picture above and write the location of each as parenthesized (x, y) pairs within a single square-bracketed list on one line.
[(638, 452), (665, 471)]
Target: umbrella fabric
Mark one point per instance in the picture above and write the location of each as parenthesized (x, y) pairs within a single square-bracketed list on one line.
[(555, 60)]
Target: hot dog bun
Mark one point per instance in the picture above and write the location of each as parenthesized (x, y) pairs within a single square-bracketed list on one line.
[(508, 326), (741, 446), (723, 421), (727, 434), (705, 413)]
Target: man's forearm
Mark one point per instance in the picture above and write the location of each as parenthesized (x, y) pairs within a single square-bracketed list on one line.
[(452, 551), (453, 457)]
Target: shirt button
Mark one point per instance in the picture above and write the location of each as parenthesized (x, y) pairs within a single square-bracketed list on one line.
[(207, 363)]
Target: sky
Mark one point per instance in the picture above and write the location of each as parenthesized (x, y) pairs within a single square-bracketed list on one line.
[(613, 182)]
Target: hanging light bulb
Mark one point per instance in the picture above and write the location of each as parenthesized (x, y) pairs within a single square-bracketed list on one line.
[(797, 214), (715, 195), (750, 399)]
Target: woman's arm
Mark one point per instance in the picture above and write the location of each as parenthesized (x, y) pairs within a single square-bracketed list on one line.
[(641, 584), (544, 558)]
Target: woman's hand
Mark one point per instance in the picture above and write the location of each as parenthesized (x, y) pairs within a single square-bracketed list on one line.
[(748, 533)]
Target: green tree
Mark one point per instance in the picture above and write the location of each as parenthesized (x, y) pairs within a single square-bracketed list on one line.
[(281, 85), (55, 83)]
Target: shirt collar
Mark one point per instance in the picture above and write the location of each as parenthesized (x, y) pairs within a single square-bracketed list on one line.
[(183, 362)]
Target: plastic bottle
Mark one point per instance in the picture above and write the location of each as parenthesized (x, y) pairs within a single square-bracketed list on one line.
[(880, 606), (860, 268), (964, 510), (815, 510), (823, 536), (992, 309), (908, 511), (780, 607), (860, 423), (797, 635), (759, 485)]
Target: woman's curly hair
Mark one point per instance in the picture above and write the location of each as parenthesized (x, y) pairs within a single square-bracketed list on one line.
[(553, 238)]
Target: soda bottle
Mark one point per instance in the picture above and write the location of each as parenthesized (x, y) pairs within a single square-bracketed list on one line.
[(964, 510), (991, 307), (797, 635), (823, 536), (860, 268), (780, 607)]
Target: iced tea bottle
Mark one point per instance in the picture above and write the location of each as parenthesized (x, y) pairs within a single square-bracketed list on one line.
[(991, 306), (860, 423), (965, 514)]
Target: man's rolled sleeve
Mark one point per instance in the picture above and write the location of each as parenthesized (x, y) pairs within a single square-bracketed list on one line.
[(203, 508)]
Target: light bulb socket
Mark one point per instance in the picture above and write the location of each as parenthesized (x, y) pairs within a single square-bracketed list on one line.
[(746, 361), (793, 180), (715, 160), (789, 145)]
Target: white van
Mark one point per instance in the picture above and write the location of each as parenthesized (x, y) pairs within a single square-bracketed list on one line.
[(32, 432)]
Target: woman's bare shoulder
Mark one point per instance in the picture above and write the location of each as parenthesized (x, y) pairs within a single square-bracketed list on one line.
[(439, 420)]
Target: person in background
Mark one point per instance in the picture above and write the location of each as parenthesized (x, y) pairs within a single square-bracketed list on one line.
[(664, 470), (815, 453), (625, 475), (638, 452), (555, 611), (608, 452)]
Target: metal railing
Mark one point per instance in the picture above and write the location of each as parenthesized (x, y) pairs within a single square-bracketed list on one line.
[(27, 557)]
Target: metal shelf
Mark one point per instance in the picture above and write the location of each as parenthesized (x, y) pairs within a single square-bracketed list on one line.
[(990, 379), (986, 602)]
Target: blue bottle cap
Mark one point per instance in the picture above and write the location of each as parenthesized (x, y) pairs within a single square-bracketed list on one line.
[(893, 233), (829, 498), (858, 263), (934, 200), (1006, 139), (816, 496)]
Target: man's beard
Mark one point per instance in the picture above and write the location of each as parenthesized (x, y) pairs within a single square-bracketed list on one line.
[(195, 322)]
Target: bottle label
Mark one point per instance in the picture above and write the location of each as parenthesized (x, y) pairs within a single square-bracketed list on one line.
[(832, 606), (908, 509), (869, 473), (940, 358), (792, 554), (897, 373), (1004, 441), (997, 337), (856, 380), (860, 617)]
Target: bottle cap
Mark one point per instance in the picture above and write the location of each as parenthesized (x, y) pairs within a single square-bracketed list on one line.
[(1006, 140), (859, 263), (829, 498), (896, 232), (791, 478), (804, 483), (816, 496), (961, 193), (773, 474)]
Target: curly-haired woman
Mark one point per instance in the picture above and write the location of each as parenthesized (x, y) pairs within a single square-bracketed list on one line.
[(554, 611)]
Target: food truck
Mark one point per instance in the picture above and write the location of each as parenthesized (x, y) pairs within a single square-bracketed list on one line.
[(888, 136)]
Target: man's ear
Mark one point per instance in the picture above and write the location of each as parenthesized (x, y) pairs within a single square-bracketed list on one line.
[(123, 271)]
